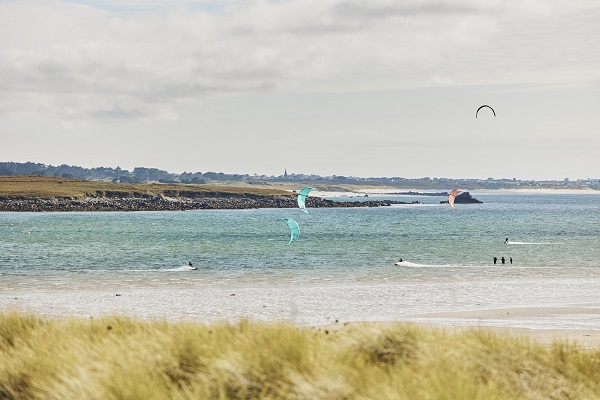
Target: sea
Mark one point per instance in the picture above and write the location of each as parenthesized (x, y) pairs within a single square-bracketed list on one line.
[(343, 268)]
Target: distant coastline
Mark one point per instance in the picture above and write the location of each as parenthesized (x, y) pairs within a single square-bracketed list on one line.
[(142, 175), (46, 194), (161, 203)]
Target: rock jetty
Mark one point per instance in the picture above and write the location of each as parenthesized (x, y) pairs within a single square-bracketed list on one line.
[(463, 198), (164, 203)]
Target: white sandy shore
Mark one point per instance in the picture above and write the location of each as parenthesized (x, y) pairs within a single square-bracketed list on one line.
[(589, 339), (503, 320), (543, 191), (392, 190), (316, 306)]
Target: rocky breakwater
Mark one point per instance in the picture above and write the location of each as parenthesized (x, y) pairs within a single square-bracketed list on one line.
[(463, 198), (165, 203)]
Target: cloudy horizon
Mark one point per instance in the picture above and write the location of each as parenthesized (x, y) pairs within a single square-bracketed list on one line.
[(330, 87)]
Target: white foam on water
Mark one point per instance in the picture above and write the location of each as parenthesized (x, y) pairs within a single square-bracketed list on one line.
[(415, 205), (416, 265), (182, 268), (528, 243)]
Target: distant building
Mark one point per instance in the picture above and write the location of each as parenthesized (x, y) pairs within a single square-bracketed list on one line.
[(285, 173)]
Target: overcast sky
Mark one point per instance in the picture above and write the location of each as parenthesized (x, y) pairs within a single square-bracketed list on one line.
[(331, 87)]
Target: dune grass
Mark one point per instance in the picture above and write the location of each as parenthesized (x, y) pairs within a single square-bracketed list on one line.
[(34, 186), (123, 358)]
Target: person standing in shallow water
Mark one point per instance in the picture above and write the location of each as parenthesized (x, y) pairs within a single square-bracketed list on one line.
[(503, 260), (495, 259), (511, 260)]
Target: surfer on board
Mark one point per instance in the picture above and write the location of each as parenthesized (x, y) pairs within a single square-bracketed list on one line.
[(506, 241), (191, 265)]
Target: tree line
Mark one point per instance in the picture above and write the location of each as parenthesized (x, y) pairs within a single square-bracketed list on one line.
[(116, 175), (145, 175)]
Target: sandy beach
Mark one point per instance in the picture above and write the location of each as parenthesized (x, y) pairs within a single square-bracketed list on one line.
[(502, 320), (321, 304)]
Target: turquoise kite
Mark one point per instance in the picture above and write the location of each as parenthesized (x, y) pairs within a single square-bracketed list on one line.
[(294, 228), (302, 198)]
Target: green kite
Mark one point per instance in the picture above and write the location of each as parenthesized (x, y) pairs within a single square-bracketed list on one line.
[(302, 198), (294, 228)]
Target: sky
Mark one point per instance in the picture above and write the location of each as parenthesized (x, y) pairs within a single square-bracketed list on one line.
[(365, 88)]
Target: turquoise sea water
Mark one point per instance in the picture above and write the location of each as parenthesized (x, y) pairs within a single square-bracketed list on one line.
[(554, 240)]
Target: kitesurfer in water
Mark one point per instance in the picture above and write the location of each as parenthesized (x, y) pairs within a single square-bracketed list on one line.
[(400, 260), (506, 241), (191, 265)]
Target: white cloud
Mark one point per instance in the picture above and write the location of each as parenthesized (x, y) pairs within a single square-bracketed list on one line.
[(92, 60)]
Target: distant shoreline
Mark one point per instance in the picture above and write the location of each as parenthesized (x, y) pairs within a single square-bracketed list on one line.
[(50, 194), (162, 203)]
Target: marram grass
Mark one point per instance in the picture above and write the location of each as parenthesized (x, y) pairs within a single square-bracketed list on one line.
[(124, 358)]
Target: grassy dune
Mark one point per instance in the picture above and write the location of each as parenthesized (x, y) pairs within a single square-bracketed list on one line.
[(30, 186), (123, 358)]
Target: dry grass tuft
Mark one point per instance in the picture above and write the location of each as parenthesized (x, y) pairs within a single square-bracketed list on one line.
[(124, 358)]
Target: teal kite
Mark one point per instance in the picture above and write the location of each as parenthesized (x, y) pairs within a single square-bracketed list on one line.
[(294, 228), (302, 198)]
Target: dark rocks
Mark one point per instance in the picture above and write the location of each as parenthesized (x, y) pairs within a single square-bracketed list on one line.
[(463, 198), (162, 203)]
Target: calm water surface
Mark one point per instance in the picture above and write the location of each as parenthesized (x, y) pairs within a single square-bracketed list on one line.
[(554, 240)]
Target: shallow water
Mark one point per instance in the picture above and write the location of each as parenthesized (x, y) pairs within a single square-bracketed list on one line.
[(342, 267)]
